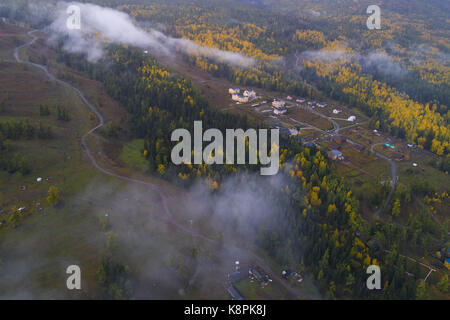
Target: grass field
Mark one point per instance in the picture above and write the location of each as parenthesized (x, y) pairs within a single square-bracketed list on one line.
[(132, 155), (35, 254), (165, 262)]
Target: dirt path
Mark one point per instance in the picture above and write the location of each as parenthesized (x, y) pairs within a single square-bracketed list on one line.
[(296, 292), (392, 164), (393, 177)]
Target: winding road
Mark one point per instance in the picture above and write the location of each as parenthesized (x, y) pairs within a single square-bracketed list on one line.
[(393, 176), (101, 123), (247, 252)]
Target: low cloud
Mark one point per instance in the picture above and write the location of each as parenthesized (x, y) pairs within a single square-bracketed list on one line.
[(101, 25), (373, 62)]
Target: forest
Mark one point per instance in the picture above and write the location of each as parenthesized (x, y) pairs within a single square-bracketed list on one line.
[(314, 49), (317, 213)]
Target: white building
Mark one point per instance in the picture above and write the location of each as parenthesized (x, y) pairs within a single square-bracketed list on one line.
[(239, 98), (279, 111), (250, 94), (278, 103), (234, 90), (351, 118)]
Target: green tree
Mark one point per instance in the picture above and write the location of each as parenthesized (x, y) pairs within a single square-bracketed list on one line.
[(15, 218), (421, 291), (396, 208), (53, 197), (443, 284)]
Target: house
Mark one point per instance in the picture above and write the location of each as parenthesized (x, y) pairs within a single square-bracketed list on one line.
[(250, 94), (234, 90), (351, 118), (234, 293), (239, 98), (339, 139), (335, 155), (311, 103), (322, 104), (289, 98), (301, 100), (397, 156), (279, 111), (277, 103)]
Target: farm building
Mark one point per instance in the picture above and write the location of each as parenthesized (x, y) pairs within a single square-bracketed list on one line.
[(277, 103), (239, 98), (335, 155), (279, 111), (250, 94)]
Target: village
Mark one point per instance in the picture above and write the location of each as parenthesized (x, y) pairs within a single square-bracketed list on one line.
[(252, 282), (362, 154), (301, 118)]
